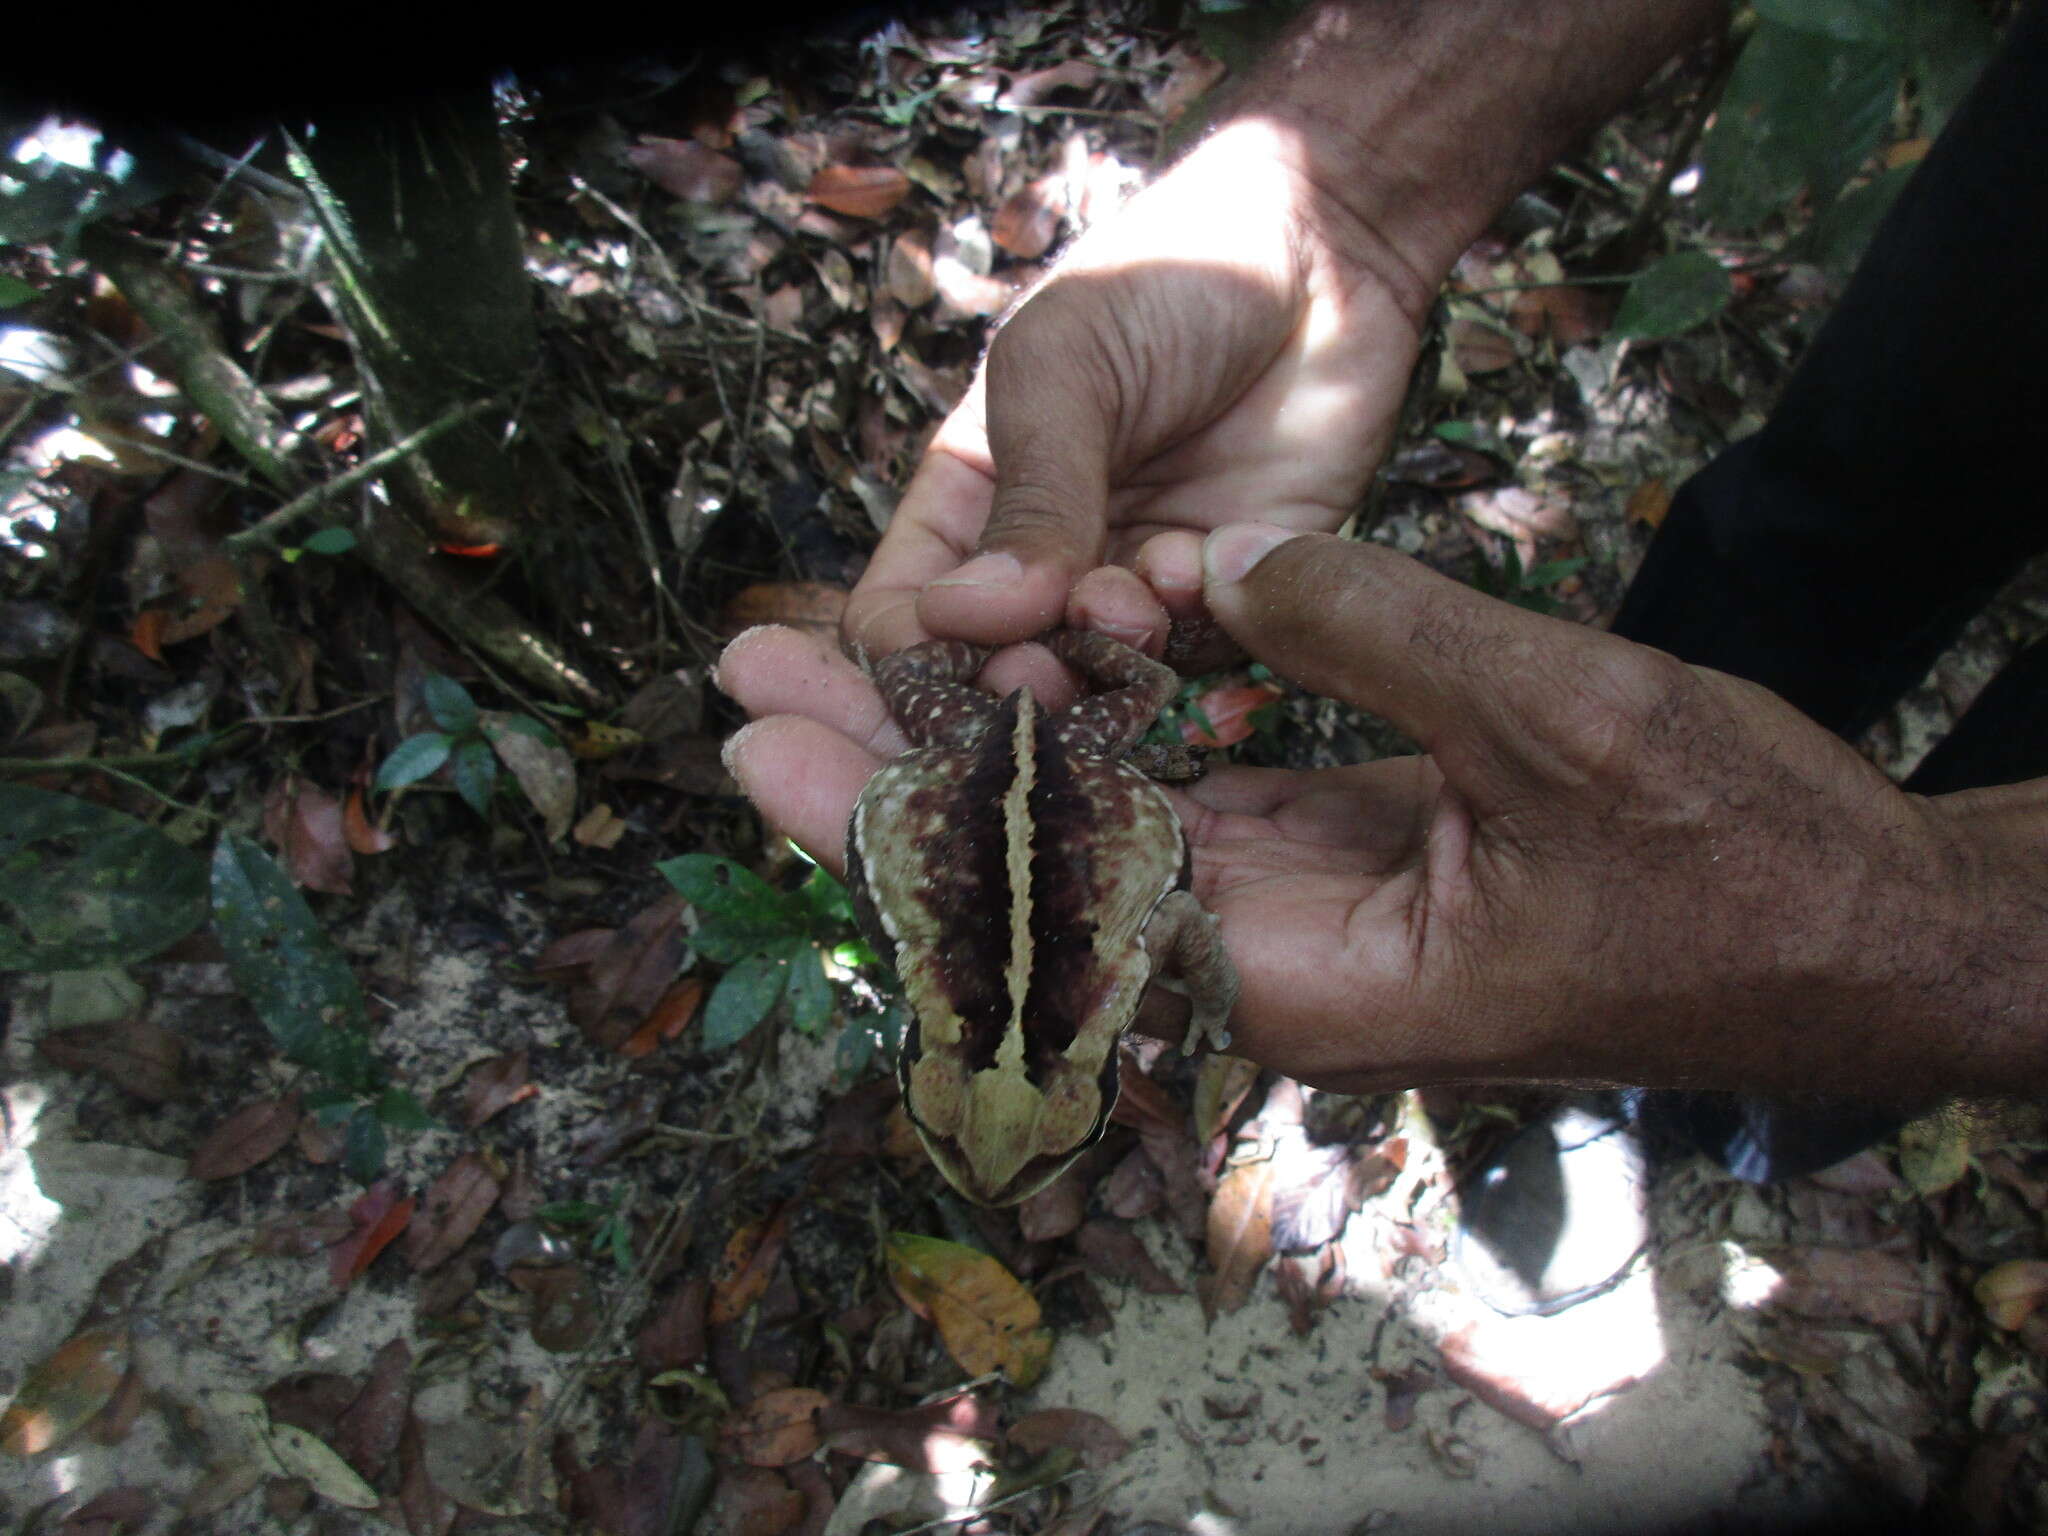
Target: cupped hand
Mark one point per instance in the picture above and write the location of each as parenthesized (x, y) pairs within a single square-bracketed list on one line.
[(1231, 347), (1606, 867)]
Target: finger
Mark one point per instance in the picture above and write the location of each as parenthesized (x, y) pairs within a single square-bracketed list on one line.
[(771, 670), (1496, 693), (804, 778), (1380, 809), (1117, 602), (931, 535)]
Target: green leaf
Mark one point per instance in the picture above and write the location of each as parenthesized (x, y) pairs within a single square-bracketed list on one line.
[(324, 1102), (830, 904), (400, 1110), (854, 1050), (742, 999), (413, 759), (1948, 43), (741, 913), (1672, 296), (331, 541), (14, 291), (1550, 572), (449, 703), (1845, 21), (1837, 238), (291, 972), (526, 725), (363, 1146), (476, 773), (571, 1213), (82, 886), (1801, 110), (810, 992)]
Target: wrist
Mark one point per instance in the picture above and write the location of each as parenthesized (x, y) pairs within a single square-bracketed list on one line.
[(1419, 121)]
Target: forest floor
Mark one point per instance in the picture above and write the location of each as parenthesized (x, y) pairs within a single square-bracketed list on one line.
[(622, 1273)]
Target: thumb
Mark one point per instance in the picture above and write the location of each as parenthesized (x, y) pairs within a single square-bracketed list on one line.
[(1495, 693)]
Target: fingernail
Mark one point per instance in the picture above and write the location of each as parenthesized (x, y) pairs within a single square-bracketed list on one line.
[(994, 569), (1229, 553)]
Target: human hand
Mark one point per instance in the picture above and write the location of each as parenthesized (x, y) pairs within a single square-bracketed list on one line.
[(1607, 867), (1232, 346)]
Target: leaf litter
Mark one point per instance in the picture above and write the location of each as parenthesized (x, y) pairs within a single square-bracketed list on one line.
[(828, 273)]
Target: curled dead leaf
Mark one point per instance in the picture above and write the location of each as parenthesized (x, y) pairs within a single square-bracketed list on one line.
[(777, 1428), (858, 191)]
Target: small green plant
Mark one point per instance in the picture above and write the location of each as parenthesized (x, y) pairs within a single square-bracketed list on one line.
[(778, 947), (303, 990), (460, 742), (611, 1226), (1525, 589)]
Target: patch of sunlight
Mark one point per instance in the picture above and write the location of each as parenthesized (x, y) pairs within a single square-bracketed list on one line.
[(1747, 1282), (27, 1215), (1208, 1522)]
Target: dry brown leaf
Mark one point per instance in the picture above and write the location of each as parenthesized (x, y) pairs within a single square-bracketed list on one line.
[(571, 956), (366, 1431), (304, 823), (1118, 1253), (426, 1509), (858, 191), (302, 1233), (1443, 466), (631, 974), (209, 591), (746, 1267), (1028, 90), (134, 1055), (544, 770), (1057, 1209), (455, 1207), (601, 827), (252, 1135), (62, 1392), (566, 1307), (1093, 1438), (776, 1429), (812, 605), (1479, 348), (490, 1087), (1866, 1284), (950, 1435), (1240, 1238), (2010, 1292), (909, 271), (1133, 1188), (1029, 220), (1650, 503), (751, 1501), (111, 1513), (674, 1337), (686, 169), (783, 310)]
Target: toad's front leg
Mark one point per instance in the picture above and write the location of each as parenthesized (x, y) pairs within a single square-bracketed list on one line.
[(1186, 942)]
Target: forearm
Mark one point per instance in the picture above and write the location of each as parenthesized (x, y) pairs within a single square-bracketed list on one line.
[(1414, 121)]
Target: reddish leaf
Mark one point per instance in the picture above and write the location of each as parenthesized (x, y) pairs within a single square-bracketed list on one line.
[(1866, 1284), (1229, 712), (111, 1425), (1479, 348), (304, 823), (364, 835), (813, 605), (571, 955), (1649, 503), (686, 169), (210, 589), (775, 1429), (493, 1086), (1097, 1441), (455, 1207), (252, 1135), (137, 1057), (746, 1267), (1055, 1210), (1029, 220), (858, 191), (671, 1016), (379, 1216), (950, 1435), (147, 633)]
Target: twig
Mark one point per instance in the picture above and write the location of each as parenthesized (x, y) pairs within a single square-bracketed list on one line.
[(264, 534)]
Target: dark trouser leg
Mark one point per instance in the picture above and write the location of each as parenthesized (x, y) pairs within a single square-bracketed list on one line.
[(1832, 556)]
